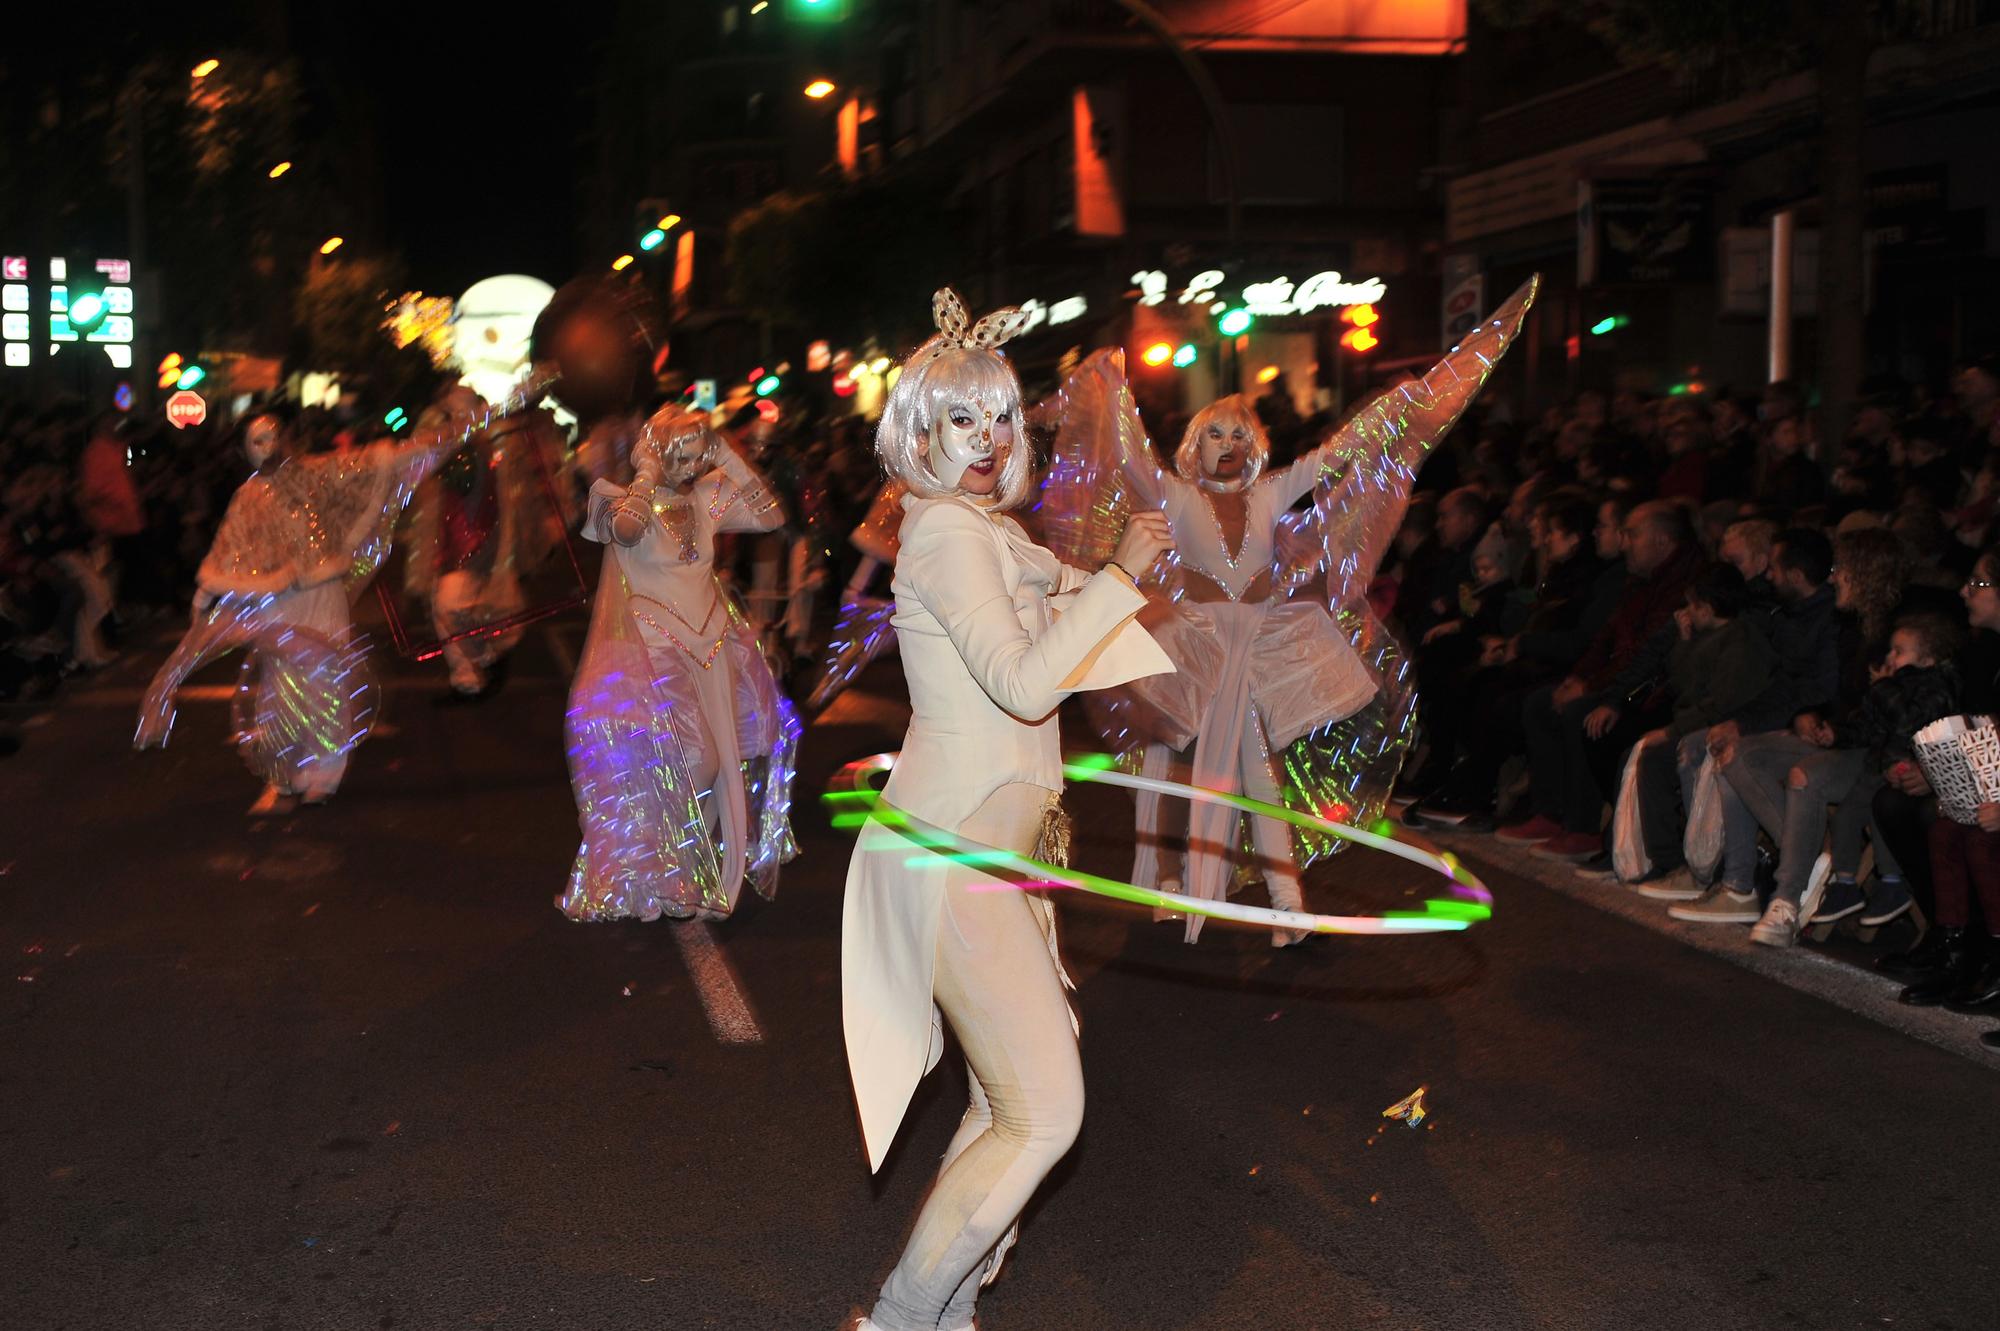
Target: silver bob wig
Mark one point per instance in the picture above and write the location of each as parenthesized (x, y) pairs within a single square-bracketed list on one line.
[(1225, 411), (936, 377)]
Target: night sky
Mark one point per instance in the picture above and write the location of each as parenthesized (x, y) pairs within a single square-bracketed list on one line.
[(479, 125)]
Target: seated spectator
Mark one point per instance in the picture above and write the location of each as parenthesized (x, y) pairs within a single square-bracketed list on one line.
[(1582, 577), (1786, 779), (1721, 661), (1578, 729), (1946, 871), (1746, 546), (1789, 480)]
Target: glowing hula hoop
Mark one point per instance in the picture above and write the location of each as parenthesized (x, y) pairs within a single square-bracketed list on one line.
[(856, 802)]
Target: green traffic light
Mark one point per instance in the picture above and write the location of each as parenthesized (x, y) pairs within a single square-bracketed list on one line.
[(1184, 357), (191, 376), (653, 239), (1234, 322), (86, 312), (767, 385), (1609, 323)]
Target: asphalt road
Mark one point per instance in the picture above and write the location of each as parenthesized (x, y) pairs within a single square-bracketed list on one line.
[(348, 1068)]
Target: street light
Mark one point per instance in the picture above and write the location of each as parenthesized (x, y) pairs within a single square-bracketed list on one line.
[(621, 263), (669, 222), (280, 169), (332, 243), (1158, 354), (819, 88), (206, 67)]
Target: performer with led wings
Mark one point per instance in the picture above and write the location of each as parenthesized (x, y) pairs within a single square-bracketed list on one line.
[(681, 746), (1274, 685), (301, 538)]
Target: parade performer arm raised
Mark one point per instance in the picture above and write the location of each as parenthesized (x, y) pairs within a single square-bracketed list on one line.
[(987, 661), (681, 746), (301, 536)]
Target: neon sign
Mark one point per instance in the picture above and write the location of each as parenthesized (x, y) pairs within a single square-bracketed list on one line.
[(1269, 298)]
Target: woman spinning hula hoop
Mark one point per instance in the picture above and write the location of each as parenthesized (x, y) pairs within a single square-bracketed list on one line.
[(987, 661)]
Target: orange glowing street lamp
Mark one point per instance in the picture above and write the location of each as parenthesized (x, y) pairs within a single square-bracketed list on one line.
[(332, 243), (621, 263), (206, 67), (1158, 354), (819, 88), (280, 169)]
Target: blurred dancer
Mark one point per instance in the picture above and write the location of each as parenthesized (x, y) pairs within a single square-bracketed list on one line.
[(680, 744), (301, 537)]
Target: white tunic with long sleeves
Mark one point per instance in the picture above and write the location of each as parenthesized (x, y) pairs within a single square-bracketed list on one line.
[(987, 661)]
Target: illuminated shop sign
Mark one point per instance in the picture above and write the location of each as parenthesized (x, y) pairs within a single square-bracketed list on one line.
[(1067, 310), (1270, 297)]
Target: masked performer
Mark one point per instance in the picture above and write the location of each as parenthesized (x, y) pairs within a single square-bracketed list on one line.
[(680, 744), (988, 661), (301, 537), (1265, 677)]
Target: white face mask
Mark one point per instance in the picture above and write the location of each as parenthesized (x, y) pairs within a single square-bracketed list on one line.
[(962, 436), (1217, 439), (674, 448), (261, 440)]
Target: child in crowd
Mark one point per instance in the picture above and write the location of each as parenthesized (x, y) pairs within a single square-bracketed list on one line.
[(1914, 685)]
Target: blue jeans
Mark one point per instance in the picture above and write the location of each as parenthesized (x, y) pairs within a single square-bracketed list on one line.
[(1796, 815)]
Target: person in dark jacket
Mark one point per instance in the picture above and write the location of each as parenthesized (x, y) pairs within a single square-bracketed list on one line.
[(1804, 634), (1959, 895), (1790, 480), (1567, 748), (1787, 780), (1719, 661), (1578, 590)]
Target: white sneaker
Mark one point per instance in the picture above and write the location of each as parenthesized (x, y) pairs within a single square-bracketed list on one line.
[(1718, 906), (1815, 892), (1780, 925)]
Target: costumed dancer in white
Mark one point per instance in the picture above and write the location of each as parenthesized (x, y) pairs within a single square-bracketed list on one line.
[(988, 660), (301, 538), (1279, 686), (1255, 672), (680, 743)]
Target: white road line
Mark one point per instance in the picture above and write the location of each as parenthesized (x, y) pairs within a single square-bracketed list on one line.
[(728, 1011)]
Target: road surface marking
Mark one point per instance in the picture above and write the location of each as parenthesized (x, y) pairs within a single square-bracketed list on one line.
[(728, 1011)]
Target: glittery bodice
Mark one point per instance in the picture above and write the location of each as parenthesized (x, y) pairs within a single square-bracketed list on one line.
[(313, 519)]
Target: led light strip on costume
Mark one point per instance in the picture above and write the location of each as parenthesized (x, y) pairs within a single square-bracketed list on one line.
[(856, 801)]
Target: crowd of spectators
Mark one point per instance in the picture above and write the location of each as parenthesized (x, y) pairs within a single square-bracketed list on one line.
[(102, 524), (1660, 639)]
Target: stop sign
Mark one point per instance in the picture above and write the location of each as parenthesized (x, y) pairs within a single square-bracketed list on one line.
[(186, 408)]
